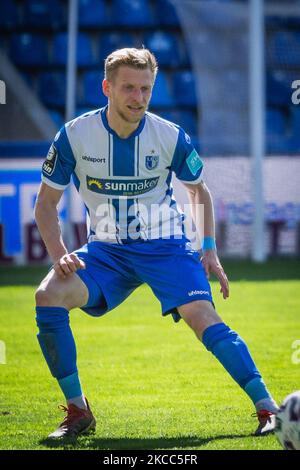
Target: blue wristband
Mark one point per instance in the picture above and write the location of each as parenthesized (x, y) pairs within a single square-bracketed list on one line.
[(209, 243)]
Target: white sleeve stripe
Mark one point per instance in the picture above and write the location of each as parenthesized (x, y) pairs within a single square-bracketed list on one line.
[(52, 184), (200, 178)]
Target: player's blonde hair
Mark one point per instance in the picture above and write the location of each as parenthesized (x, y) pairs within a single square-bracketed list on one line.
[(136, 58)]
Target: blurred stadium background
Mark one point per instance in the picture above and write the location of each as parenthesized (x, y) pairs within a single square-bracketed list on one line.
[(206, 71)]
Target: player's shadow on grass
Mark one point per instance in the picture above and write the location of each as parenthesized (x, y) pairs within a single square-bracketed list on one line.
[(103, 443)]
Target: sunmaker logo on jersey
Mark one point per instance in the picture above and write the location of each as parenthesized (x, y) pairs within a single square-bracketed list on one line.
[(121, 187)]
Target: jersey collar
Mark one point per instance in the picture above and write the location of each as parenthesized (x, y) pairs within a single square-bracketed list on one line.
[(109, 129)]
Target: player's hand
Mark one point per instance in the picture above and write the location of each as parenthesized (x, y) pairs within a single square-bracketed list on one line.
[(211, 263), (67, 265)]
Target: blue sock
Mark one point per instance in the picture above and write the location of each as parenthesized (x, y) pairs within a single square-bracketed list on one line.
[(58, 347), (70, 386), (232, 352), (257, 389)]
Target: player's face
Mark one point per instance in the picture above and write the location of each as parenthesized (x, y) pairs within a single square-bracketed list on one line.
[(129, 93)]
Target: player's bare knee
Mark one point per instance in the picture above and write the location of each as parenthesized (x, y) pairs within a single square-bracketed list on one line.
[(199, 315), (45, 296), (50, 292), (41, 297)]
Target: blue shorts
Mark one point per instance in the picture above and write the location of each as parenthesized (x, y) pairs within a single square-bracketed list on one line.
[(170, 267)]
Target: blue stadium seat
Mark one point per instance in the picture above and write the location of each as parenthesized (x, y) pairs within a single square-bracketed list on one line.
[(92, 13), (275, 22), (112, 41), (84, 50), (52, 88), (132, 13), (9, 17), (165, 48), (295, 120), (294, 144), (166, 13), (57, 117), (282, 22), (184, 88), (284, 49), (185, 59), (40, 14), (278, 88), (83, 110), (291, 21), (161, 96), (92, 90), (278, 144), (275, 122), (185, 119), (29, 49), (277, 141)]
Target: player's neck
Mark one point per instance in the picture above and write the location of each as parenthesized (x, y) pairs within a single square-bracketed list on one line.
[(121, 127)]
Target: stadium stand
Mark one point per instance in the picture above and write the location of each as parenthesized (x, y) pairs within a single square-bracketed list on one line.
[(33, 35), (37, 14), (184, 88), (29, 49), (166, 14), (92, 91), (35, 40), (132, 13), (9, 17), (92, 14), (85, 56), (162, 96), (165, 48), (111, 41), (52, 88)]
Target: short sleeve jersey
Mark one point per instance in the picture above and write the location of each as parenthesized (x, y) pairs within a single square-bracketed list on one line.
[(125, 184)]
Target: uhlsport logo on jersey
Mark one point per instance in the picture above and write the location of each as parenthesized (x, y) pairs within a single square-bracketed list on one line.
[(93, 159), (151, 161), (49, 163), (121, 187)]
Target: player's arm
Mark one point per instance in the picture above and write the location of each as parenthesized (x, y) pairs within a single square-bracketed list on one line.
[(187, 165), (200, 196), (56, 174), (46, 216)]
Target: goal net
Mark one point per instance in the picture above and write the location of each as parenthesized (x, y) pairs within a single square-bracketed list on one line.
[(218, 39)]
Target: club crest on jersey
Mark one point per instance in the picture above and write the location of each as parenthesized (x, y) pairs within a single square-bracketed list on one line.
[(49, 163), (151, 161)]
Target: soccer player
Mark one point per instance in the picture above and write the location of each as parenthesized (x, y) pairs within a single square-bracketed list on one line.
[(121, 158)]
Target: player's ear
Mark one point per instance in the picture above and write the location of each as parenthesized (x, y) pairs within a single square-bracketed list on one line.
[(105, 87)]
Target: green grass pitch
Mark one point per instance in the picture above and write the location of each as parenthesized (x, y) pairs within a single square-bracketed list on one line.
[(151, 383)]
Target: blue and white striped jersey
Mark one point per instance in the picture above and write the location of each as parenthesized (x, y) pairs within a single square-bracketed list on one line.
[(124, 183)]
